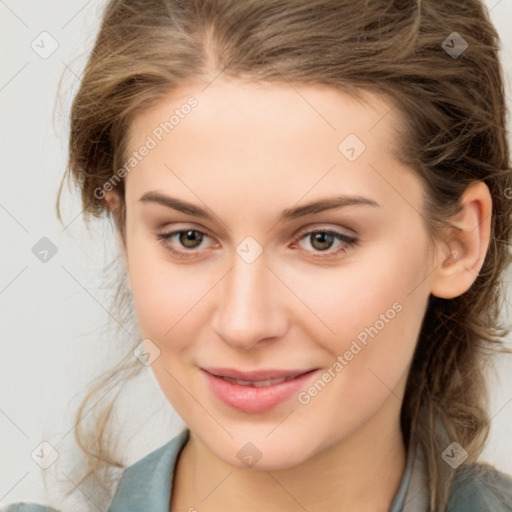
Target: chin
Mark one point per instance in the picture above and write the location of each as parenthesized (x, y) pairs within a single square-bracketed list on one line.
[(260, 454)]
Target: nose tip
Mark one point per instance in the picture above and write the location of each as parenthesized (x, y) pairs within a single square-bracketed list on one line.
[(248, 310)]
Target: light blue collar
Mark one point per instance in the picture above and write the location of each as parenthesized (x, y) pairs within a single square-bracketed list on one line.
[(146, 485), (412, 494)]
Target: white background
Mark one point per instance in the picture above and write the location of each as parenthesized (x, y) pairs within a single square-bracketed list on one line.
[(52, 313)]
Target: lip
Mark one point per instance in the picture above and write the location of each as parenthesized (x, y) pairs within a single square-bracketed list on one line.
[(252, 399), (256, 374)]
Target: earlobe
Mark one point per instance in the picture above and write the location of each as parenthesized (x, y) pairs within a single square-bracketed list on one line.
[(461, 255)]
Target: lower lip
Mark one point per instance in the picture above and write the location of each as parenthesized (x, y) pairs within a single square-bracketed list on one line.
[(255, 399)]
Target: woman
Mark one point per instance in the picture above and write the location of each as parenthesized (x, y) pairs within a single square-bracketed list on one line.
[(312, 206)]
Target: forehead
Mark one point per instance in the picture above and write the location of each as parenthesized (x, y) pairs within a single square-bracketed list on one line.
[(254, 134), (292, 108)]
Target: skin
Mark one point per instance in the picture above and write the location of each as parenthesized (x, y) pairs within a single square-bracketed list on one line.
[(247, 152)]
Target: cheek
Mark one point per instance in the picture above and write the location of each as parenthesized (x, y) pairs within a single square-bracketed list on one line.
[(366, 289), (390, 351), (371, 313), (164, 294)]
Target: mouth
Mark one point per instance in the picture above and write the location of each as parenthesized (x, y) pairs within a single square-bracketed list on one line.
[(256, 383), (257, 375), (256, 391)]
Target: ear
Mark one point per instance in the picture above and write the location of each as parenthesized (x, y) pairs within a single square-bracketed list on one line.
[(461, 255), (112, 200)]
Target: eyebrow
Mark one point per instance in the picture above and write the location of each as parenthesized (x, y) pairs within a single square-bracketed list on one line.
[(288, 214)]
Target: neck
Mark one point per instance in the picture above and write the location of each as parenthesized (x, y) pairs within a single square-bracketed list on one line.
[(362, 472)]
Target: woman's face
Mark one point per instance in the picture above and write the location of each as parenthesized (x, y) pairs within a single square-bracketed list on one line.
[(263, 276)]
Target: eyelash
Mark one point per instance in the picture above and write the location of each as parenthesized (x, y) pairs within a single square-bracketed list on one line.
[(348, 243)]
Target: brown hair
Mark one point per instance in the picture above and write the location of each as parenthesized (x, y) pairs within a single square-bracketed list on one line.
[(452, 133)]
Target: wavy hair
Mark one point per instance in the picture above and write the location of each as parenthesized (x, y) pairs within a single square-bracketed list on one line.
[(452, 133)]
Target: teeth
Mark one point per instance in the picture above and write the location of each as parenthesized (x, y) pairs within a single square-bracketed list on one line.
[(269, 382), (257, 383)]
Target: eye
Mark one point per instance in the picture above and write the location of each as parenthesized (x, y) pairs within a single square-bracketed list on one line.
[(323, 240), (320, 240), (190, 239)]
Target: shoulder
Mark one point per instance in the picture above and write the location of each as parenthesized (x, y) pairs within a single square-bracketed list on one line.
[(480, 487), (145, 482), (158, 462), (27, 507)]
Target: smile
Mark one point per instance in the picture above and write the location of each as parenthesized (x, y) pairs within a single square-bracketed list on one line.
[(256, 395)]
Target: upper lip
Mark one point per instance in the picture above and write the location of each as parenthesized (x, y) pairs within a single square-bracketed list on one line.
[(255, 375)]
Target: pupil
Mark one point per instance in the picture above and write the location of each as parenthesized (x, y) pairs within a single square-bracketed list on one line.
[(323, 238), (189, 236)]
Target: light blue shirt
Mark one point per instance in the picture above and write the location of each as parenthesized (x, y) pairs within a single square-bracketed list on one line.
[(145, 486)]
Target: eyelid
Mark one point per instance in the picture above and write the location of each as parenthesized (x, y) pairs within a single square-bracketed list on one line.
[(180, 227), (319, 227)]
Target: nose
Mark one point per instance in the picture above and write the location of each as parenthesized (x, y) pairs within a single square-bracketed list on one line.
[(250, 305)]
